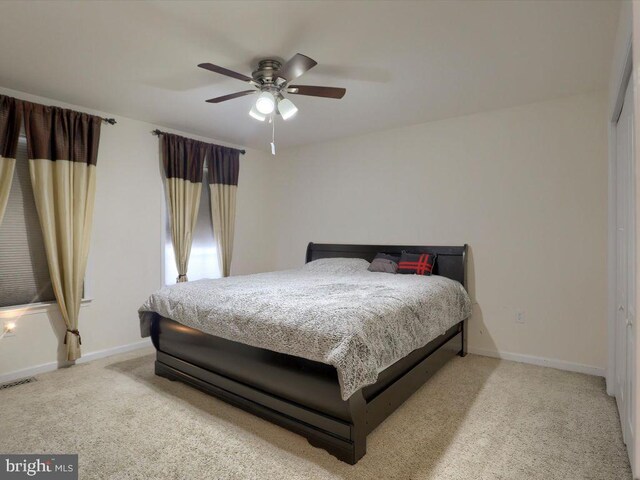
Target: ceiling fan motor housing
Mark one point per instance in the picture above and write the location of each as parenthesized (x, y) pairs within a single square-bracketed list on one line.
[(266, 72)]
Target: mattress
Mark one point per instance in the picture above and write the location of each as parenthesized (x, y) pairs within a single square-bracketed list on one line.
[(332, 311)]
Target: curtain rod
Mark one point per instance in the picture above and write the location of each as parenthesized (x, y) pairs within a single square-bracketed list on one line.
[(110, 121), (160, 132)]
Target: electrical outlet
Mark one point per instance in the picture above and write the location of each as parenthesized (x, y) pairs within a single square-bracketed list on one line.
[(9, 328), (520, 317)]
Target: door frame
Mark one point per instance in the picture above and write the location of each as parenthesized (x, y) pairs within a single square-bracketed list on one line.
[(625, 78)]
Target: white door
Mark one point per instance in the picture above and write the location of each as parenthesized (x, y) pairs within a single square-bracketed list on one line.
[(625, 273)]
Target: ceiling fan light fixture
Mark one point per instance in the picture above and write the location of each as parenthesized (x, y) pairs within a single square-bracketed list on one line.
[(256, 114), (286, 108), (266, 103)]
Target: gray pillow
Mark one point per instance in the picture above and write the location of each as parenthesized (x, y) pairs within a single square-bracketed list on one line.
[(384, 263)]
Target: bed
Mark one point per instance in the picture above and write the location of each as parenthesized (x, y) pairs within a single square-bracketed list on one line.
[(307, 384)]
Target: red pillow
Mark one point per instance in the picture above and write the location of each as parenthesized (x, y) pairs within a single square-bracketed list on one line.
[(417, 263)]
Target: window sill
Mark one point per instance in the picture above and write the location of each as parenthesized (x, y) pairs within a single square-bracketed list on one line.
[(41, 307)]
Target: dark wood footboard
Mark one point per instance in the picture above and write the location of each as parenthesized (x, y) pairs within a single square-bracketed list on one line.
[(298, 394)]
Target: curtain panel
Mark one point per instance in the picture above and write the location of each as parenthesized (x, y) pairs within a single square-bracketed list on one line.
[(223, 168), (10, 123), (183, 161), (62, 147)]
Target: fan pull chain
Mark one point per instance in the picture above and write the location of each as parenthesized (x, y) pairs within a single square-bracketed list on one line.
[(273, 135)]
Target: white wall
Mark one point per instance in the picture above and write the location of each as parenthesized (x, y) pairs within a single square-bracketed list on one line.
[(125, 255), (525, 187)]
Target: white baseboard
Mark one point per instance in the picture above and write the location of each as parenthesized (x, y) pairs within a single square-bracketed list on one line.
[(114, 351), (51, 366), (541, 361), (515, 357)]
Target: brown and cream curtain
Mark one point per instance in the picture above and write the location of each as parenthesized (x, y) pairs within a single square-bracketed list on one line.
[(10, 123), (62, 147), (223, 166), (183, 161)]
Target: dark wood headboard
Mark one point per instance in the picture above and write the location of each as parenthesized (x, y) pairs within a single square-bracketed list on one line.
[(451, 262)]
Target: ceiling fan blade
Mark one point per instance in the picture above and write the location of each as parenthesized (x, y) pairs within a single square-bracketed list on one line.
[(231, 96), (225, 71), (326, 92), (296, 66)]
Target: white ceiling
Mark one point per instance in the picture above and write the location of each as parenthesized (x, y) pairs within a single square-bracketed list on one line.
[(402, 63)]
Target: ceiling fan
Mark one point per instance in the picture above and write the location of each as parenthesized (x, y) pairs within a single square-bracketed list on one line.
[(271, 80)]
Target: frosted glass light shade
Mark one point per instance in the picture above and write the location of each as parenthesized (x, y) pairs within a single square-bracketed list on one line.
[(286, 108), (266, 103), (256, 114)]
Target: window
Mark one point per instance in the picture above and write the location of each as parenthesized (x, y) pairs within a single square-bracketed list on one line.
[(24, 274), (203, 262)]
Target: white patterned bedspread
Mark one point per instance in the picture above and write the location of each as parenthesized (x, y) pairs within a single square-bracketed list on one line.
[(332, 311)]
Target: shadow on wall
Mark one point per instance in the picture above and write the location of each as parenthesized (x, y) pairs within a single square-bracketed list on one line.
[(478, 335), (411, 443)]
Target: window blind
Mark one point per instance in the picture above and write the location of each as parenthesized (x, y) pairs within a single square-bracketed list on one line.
[(24, 274)]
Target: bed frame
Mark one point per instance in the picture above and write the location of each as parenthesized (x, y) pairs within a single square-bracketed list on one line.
[(303, 395)]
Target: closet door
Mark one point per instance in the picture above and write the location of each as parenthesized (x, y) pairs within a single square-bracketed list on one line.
[(625, 274)]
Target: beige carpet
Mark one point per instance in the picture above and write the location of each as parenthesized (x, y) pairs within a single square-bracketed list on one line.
[(478, 418)]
